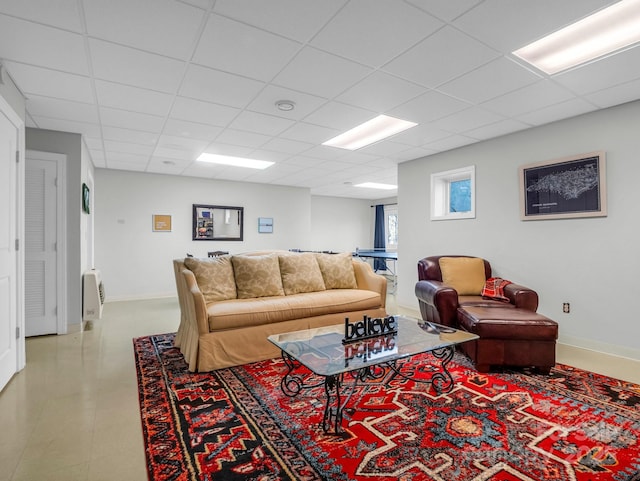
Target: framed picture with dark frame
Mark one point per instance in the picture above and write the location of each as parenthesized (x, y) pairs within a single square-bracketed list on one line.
[(563, 188)]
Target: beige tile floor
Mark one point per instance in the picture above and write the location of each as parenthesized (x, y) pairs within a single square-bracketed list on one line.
[(72, 413)]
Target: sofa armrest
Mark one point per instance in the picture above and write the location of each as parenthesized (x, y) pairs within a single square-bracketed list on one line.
[(196, 306), (522, 297), (438, 303), (369, 280)]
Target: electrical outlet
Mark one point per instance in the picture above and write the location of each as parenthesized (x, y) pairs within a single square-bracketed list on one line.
[(566, 308)]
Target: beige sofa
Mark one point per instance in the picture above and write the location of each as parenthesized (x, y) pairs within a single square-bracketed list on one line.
[(230, 304)]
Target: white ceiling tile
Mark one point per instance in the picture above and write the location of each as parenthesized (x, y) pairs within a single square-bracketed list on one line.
[(182, 143), (62, 109), (340, 116), (243, 50), (287, 146), (325, 152), (554, 112), (112, 146), (163, 165), (296, 19), (90, 130), (372, 32), (126, 158), (51, 83), (385, 147), (469, 119), (203, 112), (226, 149), (380, 92), (242, 138), (193, 130), (125, 97), (313, 134), (260, 123), (203, 83), (428, 107), (507, 25), (266, 100), (491, 80), (497, 129), (527, 99), (163, 26), (429, 62), (356, 157), (63, 14), (133, 67), (177, 154), (124, 165), (314, 71), (412, 154), (203, 4), (615, 95), (449, 143), (36, 44), (131, 120), (597, 75), (445, 10), (129, 135), (421, 134)]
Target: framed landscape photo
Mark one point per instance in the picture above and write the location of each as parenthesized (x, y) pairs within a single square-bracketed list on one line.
[(564, 188)]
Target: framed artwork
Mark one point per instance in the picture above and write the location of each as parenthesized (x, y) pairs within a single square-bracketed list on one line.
[(265, 225), (564, 188), (161, 223), (86, 197), (217, 222)]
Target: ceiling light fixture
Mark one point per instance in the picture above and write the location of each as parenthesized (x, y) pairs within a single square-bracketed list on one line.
[(375, 185), (234, 161), (370, 132), (286, 105), (595, 36)]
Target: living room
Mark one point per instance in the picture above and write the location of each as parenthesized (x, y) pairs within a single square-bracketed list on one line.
[(587, 262)]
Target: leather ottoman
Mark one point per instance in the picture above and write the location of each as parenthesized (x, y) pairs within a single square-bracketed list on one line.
[(509, 337)]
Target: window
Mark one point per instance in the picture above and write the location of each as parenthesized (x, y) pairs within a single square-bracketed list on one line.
[(391, 226), (453, 194)]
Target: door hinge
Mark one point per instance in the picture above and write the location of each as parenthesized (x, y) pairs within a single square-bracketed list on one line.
[(17, 333), (17, 244)]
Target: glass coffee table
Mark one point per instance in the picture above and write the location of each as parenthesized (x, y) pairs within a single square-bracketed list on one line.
[(334, 363)]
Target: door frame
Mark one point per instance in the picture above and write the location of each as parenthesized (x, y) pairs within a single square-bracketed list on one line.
[(61, 228)]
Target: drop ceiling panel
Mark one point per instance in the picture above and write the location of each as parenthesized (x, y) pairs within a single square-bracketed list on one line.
[(37, 44), (203, 112), (84, 128), (131, 120), (133, 67), (127, 148), (129, 135), (615, 95), (314, 72), (265, 102), (192, 130), (372, 32), (502, 127), (242, 138), (203, 83), (165, 27), (569, 108), (314, 134), (136, 99), (261, 123), (61, 13), (469, 119), (530, 98), (445, 10), (287, 146), (62, 109), (429, 62), (51, 83), (429, 107), (340, 116), (238, 48), (380, 92)]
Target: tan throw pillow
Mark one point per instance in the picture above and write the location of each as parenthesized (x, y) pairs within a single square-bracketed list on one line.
[(464, 274), (300, 273), (257, 276), (214, 276), (337, 271)]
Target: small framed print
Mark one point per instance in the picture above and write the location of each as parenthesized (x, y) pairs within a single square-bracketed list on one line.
[(161, 223), (265, 225), (564, 188)]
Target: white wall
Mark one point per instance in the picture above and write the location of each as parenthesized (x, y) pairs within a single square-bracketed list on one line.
[(136, 262), (339, 224), (592, 263)]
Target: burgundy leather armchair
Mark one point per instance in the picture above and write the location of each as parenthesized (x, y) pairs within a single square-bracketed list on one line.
[(439, 303)]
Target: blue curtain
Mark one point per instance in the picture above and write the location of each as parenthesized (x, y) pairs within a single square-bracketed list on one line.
[(379, 243)]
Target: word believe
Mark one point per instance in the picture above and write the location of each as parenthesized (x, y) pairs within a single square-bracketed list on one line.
[(368, 327)]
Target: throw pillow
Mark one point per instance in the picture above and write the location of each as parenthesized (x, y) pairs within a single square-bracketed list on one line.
[(214, 276), (337, 271), (257, 276), (300, 273), (464, 274)]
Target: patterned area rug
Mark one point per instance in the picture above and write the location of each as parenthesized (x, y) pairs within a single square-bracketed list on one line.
[(236, 424)]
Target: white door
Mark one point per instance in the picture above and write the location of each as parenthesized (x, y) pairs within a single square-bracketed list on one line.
[(41, 311), (8, 255)]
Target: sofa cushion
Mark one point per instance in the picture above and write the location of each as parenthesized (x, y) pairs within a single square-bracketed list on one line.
[(465, 274), (214, 276), (300, 273), (265, 310), (337, 271), (257, 276)]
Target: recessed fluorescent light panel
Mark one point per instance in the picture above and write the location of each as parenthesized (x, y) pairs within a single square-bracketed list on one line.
[(597, 35), (370, 132), (374, 185), (234, 161)]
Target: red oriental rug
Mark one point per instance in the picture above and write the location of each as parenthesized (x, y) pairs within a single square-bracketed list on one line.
[(236, 424)]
